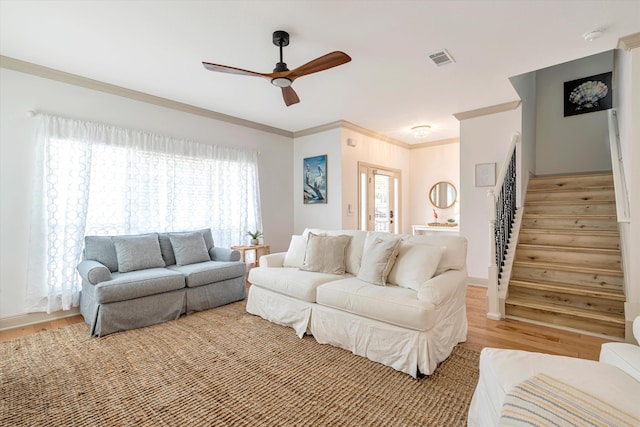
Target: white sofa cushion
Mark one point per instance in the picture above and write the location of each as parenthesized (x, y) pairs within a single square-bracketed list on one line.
[(391, 304), (454, 256), (354, 250), (415, 265), (296, 283), (326, 254), (295, 254), (377, 259), (622, 355)]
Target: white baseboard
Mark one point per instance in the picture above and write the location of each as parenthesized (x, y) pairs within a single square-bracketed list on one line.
[(479, 281), (21, 320)]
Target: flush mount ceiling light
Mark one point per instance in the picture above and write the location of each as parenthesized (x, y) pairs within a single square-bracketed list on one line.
[(592, 35), (420, 131)]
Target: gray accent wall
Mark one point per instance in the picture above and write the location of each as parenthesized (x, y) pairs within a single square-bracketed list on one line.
[(571, 144)]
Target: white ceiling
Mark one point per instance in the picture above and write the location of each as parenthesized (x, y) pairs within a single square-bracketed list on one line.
[(390, 85)]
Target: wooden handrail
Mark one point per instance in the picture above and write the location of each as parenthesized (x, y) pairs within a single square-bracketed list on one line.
[(617, 167)]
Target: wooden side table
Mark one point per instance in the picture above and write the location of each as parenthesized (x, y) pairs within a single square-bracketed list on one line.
[(258, 249)]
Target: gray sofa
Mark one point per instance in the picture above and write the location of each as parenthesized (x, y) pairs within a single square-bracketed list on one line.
[(134, 281)]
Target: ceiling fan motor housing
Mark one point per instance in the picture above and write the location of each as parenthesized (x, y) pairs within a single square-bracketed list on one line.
[(281, 38)]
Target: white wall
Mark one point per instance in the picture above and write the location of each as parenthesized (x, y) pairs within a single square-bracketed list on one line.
[(21, 92), (430, 165), (576, 143), (525, 85), (627, 102), (484, 139), (321, 215), (377, 152)]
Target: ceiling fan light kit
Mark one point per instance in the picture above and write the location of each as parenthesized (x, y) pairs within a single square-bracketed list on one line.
[(281, 76)]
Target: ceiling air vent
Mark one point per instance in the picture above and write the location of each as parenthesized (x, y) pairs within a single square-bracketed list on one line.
[(441, 58)]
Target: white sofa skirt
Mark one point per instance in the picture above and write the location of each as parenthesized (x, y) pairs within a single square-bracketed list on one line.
[(279, 309), (403, 349)]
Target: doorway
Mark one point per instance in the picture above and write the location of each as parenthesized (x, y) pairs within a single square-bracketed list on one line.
[(379, 193)]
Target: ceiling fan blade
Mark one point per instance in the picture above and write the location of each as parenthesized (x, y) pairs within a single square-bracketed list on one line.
[(232, 70), (290, 96), (322, 63)]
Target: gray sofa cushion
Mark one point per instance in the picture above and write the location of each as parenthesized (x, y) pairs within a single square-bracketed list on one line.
[(204, 273), (136, 284), (101, 249), (189, 248), (138, 252), (167, 249)]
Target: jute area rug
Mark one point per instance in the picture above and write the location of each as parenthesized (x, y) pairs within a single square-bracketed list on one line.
[(221, 367)]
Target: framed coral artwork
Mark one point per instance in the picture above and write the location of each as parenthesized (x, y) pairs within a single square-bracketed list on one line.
[(588, 94), (314, 185)]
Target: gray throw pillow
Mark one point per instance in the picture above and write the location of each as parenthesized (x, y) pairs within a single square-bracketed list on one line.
[(326, 254), (101, 249), (138, 252), (378, 257), (189, 248)]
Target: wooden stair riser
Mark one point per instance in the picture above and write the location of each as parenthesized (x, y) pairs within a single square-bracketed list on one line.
[(553, 208), (560, 238), (612, 261), (594, 326), (602, 280), (601, 305), (567, 196), (563, 223), (570, 182)]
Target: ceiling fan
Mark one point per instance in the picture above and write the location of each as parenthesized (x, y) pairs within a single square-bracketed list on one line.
[(282, 77)]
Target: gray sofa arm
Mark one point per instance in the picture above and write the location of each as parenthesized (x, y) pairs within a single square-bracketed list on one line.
[(224, 254), (93, 272)]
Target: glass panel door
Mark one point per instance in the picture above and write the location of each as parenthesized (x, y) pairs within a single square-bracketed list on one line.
[(378, 207)]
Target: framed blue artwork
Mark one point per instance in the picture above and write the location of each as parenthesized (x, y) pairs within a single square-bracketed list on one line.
[(314, 186)]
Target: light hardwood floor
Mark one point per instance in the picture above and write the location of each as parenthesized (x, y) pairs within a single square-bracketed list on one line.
[(483, 332)]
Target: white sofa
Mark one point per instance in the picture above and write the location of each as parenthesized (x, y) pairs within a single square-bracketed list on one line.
[(411, 323), (614, 380)]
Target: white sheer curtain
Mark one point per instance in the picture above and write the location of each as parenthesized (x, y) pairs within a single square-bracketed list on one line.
[(95, 179)]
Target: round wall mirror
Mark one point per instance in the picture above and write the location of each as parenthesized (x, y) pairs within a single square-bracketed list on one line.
[(443, 195)]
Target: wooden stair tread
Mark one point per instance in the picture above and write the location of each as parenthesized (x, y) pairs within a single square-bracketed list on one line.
[(572, 176), (567, 288), (568, 267), (612, 233), (570, 311), (572, 189), (569, 216), (569, 202), (580, 249)]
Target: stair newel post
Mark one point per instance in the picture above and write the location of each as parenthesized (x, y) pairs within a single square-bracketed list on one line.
[(493, 309)]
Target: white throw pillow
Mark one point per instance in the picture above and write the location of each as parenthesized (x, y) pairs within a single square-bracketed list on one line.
[(378, 257), (415, 265), (295, 253), (326, 254)]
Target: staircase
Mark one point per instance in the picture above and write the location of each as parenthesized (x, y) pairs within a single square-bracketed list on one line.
[(567, 267)]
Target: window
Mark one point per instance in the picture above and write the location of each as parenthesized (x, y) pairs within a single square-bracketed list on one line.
[(108, 181)]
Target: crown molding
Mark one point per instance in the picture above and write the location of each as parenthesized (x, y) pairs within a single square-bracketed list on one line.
[(351, 126), (629, 42), (486, 111), (434, 143), (74, 79)]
